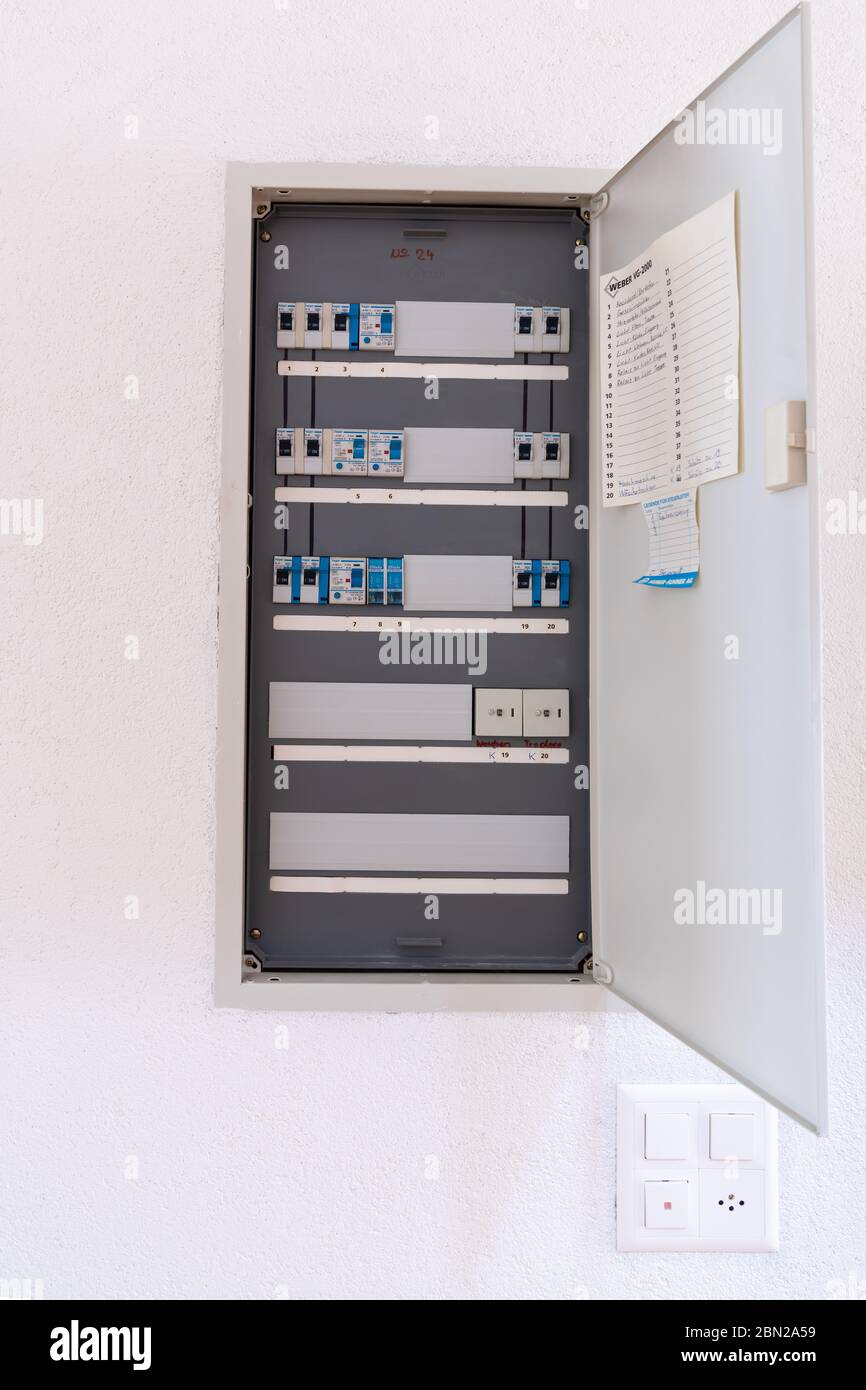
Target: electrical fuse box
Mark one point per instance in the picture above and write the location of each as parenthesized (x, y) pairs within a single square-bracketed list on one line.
[(300, 579), (541, 583), (285, 325), (348, 580), (398, 598), (385, 580), (526, 241), (376, 327), (347, 453), (386, 453)]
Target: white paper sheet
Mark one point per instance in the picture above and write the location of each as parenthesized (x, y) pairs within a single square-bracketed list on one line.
[(670, 330), (674, 558)]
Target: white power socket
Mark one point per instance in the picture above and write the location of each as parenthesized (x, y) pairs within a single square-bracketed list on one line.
[(732, 1207)]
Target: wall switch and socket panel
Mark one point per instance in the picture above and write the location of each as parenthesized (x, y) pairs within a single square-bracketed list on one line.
[(697, 1169)]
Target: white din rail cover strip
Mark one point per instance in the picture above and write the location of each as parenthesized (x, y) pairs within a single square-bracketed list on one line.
[(510, 887)]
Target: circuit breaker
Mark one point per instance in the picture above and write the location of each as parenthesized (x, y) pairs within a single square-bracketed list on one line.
[(419, 593)]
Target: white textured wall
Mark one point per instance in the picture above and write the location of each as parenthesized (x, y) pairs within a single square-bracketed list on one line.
[(306, 1169)]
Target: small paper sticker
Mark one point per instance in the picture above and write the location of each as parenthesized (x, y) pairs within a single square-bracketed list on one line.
[(674, 559)]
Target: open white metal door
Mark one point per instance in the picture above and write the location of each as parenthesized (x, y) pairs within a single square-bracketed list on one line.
[(706, 770)]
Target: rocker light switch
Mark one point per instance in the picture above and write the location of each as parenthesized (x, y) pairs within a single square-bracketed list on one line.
[(666, 1136), (666, 1206), (732, 1136)]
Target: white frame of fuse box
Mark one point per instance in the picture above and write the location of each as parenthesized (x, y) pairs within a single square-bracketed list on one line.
[(251, 191)]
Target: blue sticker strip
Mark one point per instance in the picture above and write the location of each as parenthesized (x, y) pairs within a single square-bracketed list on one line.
[(668, 581)]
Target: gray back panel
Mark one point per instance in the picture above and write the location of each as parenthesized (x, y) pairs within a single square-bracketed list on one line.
[(490, 256)]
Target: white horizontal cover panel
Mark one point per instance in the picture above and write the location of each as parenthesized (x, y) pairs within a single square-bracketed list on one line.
[(459, 456), (457, 582), (354, 709), (394, 843), (447, 329), (706, 743)]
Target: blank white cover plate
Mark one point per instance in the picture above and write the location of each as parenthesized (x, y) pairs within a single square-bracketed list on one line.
[(706, 768), (426, 328), (459, 456), (457, 583), (367, 709)]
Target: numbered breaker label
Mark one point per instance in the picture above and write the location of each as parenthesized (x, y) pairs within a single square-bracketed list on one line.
[(336, 327), (541, 330), (541, 455), (341, 453), (332, 579), (541, 583)]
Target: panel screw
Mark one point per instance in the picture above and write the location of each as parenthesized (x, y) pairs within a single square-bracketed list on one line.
[(256, 933), (581, 936), (266, 236), (262, 209)]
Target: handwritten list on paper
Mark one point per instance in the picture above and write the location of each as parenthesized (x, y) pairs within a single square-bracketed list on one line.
[(670, 335)]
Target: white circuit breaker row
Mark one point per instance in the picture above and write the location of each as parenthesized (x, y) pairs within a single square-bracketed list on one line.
[(336, 327), (454, 583), (435, 328), (382, 453), (352, 453)]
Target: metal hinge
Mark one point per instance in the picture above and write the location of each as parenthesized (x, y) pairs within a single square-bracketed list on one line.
[(602, 973)]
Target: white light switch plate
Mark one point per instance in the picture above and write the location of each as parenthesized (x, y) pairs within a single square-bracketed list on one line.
[(671, 1135)]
